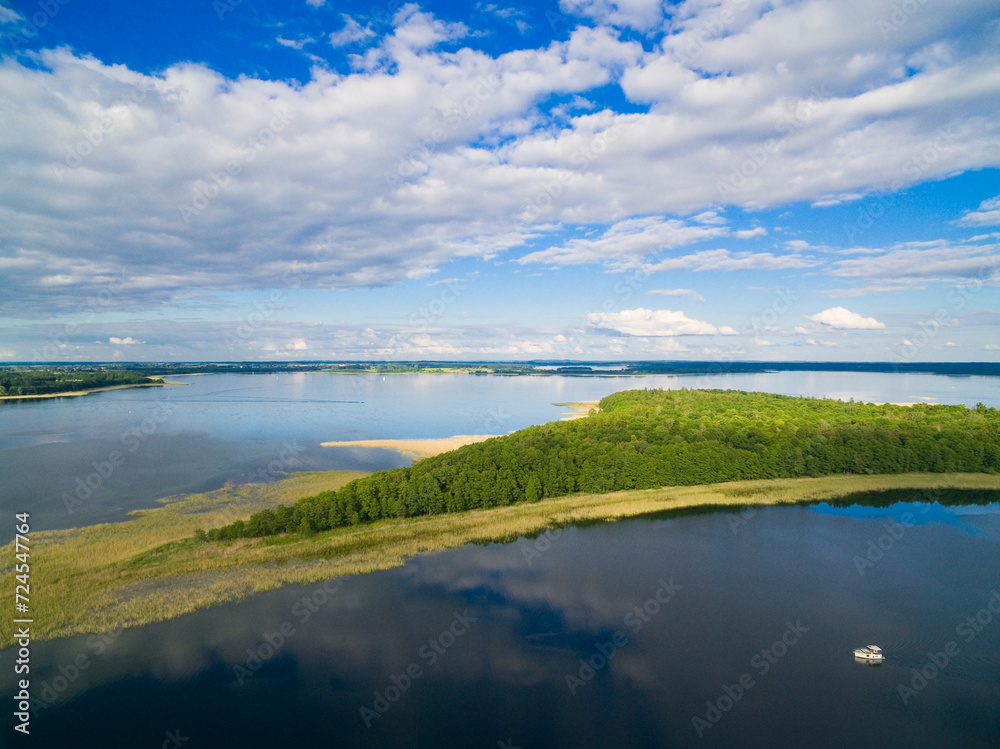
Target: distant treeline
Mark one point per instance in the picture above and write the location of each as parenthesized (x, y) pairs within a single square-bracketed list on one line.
[(565, 368), (646, 439), (47, 382), (958, 369)]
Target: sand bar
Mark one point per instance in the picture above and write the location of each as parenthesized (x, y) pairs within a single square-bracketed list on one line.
[(417, 448)]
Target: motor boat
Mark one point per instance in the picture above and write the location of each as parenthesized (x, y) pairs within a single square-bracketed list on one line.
[(869, 653)]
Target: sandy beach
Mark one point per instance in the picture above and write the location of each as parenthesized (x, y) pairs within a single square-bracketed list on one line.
[(417, 448)]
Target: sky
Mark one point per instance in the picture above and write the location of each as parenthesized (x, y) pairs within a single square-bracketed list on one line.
[(220, 180)]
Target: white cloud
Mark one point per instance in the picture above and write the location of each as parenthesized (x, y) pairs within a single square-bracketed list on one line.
[(295, 43), (638, 14), (678, 293), (653, 323), (129, 341), (352, 32), (988, 214), (840, 318), (628, 240), (910, 262), (422, 156)]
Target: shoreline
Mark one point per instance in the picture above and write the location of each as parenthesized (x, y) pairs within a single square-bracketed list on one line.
[(75, 393), (151, 568)]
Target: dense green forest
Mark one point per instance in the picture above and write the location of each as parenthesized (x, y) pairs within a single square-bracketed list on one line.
[(646, 439), (47, 381)]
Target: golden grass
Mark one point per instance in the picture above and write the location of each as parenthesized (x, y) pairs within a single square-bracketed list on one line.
[(149, 568)]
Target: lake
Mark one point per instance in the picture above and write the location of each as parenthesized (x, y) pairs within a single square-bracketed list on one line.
[(706, 629), (619, 635)]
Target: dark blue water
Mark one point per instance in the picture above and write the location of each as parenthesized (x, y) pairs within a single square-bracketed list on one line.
[(731, 630), (122, 450)]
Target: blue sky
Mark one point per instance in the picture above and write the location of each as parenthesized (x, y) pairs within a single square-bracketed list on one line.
[(584, 179)]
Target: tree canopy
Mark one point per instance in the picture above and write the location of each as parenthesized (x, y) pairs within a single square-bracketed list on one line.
[(643, 439)]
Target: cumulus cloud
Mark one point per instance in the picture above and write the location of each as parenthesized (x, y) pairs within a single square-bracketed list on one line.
[(128, 341), (988, 214), (840, 318), (653, 323), (147, 186), (637, 14)]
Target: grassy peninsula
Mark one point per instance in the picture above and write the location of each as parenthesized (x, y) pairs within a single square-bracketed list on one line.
[(645, 439), (642, 453)]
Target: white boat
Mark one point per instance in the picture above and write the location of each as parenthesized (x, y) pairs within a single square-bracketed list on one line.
[(869, 653)]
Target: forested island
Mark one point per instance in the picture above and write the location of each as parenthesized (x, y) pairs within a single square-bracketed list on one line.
[(645, 439), (39, 381)]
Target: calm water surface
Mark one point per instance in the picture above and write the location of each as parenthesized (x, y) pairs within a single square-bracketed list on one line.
[(482, 645)]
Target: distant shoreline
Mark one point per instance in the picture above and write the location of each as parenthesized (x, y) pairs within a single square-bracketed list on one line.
[(74, 393)]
